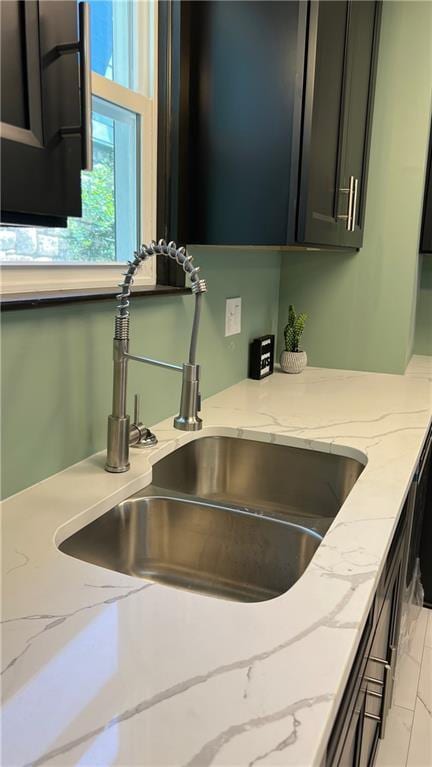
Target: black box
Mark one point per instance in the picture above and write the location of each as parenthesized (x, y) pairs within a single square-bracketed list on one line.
[(261, 357)]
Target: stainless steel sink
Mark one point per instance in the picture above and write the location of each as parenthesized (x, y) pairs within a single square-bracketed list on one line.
[(234, 518), (283, 480), (191, 545)]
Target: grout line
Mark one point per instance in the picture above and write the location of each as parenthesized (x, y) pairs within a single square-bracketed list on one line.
[(405, 708), (418, 684)]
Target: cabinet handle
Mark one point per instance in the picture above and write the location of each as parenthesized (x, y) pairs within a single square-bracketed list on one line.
[(387, 688), (388, 685), (354, 207), (86, 96), (82, 46), (374, 694), (350, 191), (374, 680), (393, 658), (372, 716)]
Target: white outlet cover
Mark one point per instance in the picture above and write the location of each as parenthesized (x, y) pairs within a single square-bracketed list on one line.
[(232, 316)]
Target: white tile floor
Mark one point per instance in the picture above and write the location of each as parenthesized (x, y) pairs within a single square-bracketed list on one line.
[(408, 740)]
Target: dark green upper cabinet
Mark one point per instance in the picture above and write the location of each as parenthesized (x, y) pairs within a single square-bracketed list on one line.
[(267, 124), (41, 113), (363, 25), (338, 105)]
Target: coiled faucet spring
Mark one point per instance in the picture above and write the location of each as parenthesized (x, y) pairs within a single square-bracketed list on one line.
[(179, 255)]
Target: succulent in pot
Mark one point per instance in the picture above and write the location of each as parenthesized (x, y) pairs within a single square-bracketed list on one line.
[(293, 359)]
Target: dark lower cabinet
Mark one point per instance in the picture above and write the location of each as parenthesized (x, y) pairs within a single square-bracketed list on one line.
[(267, 126), (426, 544), (351, 749), (421, 534), (426, 231), (345, 742), (362, 716), (41, 112)]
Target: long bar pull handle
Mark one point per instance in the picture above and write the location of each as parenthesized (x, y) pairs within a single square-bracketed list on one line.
[(374, 694), (85, 81), (82, 46), (393, 659), (372, 716), (374, 680), (348, 216), (354, 206), (386, 698)]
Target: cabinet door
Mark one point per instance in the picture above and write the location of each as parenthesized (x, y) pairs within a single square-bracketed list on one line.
[(420, 489), (343, 748), (341, 67), (425, 544), (351, 750), (40, 174), (245, 96), (361, 717), (380, 669), (362, 44), (318, 222), (426, 234)]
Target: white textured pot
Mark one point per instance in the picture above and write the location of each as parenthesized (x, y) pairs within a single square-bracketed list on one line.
[(293, 362)]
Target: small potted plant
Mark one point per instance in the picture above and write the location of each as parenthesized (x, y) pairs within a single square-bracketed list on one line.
[(293, 359)]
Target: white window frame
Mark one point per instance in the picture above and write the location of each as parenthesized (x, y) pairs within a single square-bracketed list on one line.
[(45, 277)]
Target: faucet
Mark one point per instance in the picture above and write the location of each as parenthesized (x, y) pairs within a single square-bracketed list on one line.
[(121, 433)]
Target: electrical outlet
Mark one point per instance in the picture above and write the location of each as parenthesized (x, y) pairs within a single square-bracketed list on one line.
[(232, 316)]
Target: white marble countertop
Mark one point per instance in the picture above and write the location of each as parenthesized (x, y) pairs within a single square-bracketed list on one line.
[(100, 668)]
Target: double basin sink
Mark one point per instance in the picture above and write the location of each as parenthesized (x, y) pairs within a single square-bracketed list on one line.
[(232, 518)]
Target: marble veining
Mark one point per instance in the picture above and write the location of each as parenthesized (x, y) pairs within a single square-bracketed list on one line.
[(99, 668)]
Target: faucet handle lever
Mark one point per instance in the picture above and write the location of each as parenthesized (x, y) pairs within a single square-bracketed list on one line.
[(140, 435), (137, 408)]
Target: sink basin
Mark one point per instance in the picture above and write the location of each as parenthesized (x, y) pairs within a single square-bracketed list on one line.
[(231, 554), (284, 480), (234, 518)]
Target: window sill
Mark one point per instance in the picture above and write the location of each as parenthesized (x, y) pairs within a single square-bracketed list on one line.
[(13, 301)]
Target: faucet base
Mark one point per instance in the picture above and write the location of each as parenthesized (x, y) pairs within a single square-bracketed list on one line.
[(118, 444), (193, 423), (146, 438), (117, 469)]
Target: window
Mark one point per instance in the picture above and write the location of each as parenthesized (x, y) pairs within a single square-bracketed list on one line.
[(119, 194), (116, 54)]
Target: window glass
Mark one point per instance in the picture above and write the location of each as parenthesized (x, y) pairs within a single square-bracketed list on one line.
[(113, 41), (119, 51), (108, 230)]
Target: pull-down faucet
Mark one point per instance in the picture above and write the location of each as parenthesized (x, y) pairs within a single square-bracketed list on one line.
[(121, 433)]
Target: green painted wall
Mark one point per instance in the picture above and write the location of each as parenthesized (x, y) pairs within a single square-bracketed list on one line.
[(56, 362), (423, 329), (362, 306)]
